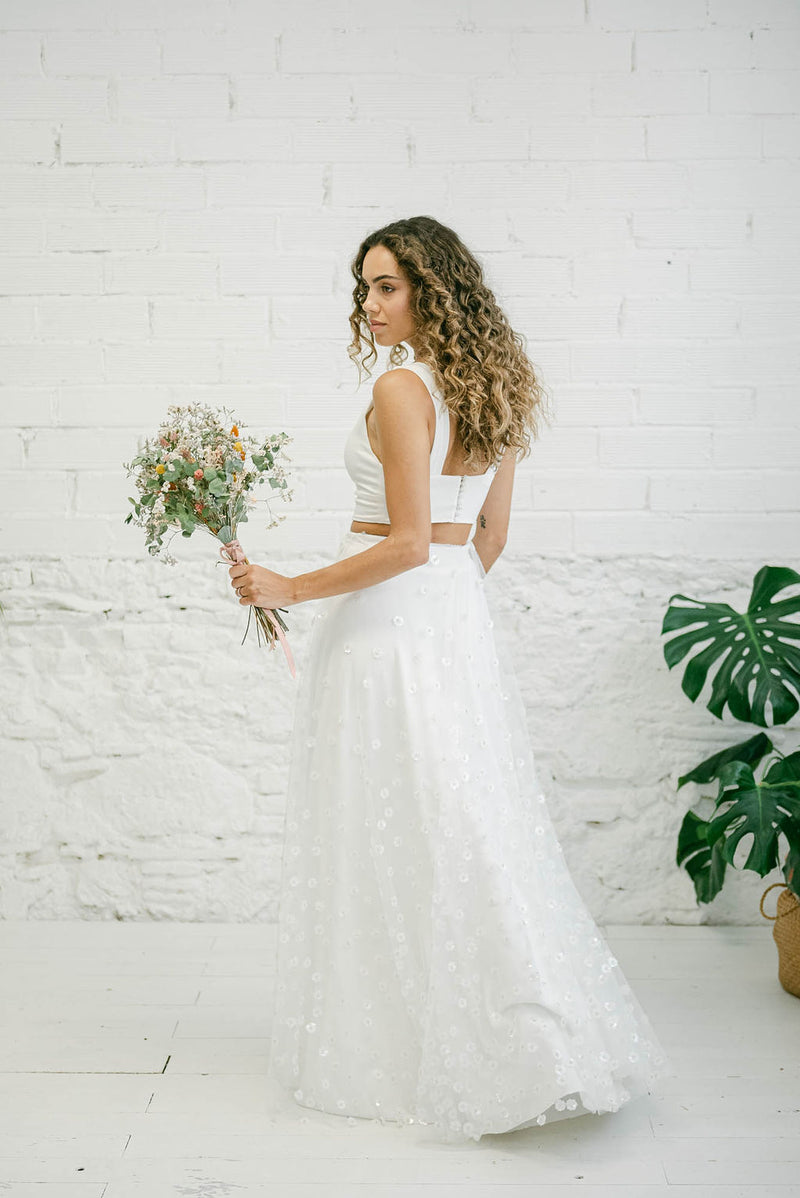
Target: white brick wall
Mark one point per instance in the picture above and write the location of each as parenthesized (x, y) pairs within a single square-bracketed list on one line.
[(183, 184)]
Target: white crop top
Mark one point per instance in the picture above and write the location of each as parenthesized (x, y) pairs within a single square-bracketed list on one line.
[(456, 498)]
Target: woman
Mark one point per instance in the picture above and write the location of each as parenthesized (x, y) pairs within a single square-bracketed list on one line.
[(435, 962)]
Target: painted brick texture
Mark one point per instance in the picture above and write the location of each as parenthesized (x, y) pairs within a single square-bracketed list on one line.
[(183, 186)]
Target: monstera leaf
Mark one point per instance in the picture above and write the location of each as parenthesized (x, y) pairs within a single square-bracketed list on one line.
[(749, 751), (791, 868), (703, 862), (756, 654), (761, 809)]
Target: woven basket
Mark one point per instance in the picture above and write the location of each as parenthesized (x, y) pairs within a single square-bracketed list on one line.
[(786, 934)]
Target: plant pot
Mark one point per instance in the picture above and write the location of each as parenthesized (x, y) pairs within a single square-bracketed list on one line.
[(786, 934)]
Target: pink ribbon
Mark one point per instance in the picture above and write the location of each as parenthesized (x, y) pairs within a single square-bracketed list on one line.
[(232, 552)]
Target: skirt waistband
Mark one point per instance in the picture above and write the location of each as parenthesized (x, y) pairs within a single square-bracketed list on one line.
[(440, 551), (435, 545)]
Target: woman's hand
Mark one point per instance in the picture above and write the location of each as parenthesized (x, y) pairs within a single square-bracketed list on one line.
[(261, 587)]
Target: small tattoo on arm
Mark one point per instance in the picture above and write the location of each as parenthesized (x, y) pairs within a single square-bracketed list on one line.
[(482, 519)]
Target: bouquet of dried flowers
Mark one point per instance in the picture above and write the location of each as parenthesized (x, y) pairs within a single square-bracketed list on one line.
[(199, 471)]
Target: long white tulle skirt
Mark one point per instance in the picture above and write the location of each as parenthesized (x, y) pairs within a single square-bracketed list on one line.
[(435, 961)]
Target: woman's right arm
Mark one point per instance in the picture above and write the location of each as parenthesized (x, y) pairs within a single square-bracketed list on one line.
[(404, 422), (492, 523)]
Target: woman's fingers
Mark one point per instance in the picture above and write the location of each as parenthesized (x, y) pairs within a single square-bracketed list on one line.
[(238, 575)]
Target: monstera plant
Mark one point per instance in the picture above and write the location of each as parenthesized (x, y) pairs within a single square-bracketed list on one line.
[(752, 661)]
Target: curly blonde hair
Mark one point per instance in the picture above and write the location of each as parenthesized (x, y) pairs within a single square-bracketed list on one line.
[(477, 359)]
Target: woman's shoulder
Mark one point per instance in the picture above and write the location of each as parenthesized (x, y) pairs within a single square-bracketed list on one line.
[(421, 369), (398, 374), (395, 386)]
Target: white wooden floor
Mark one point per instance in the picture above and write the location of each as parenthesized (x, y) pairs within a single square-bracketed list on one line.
[(133, 1054)]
